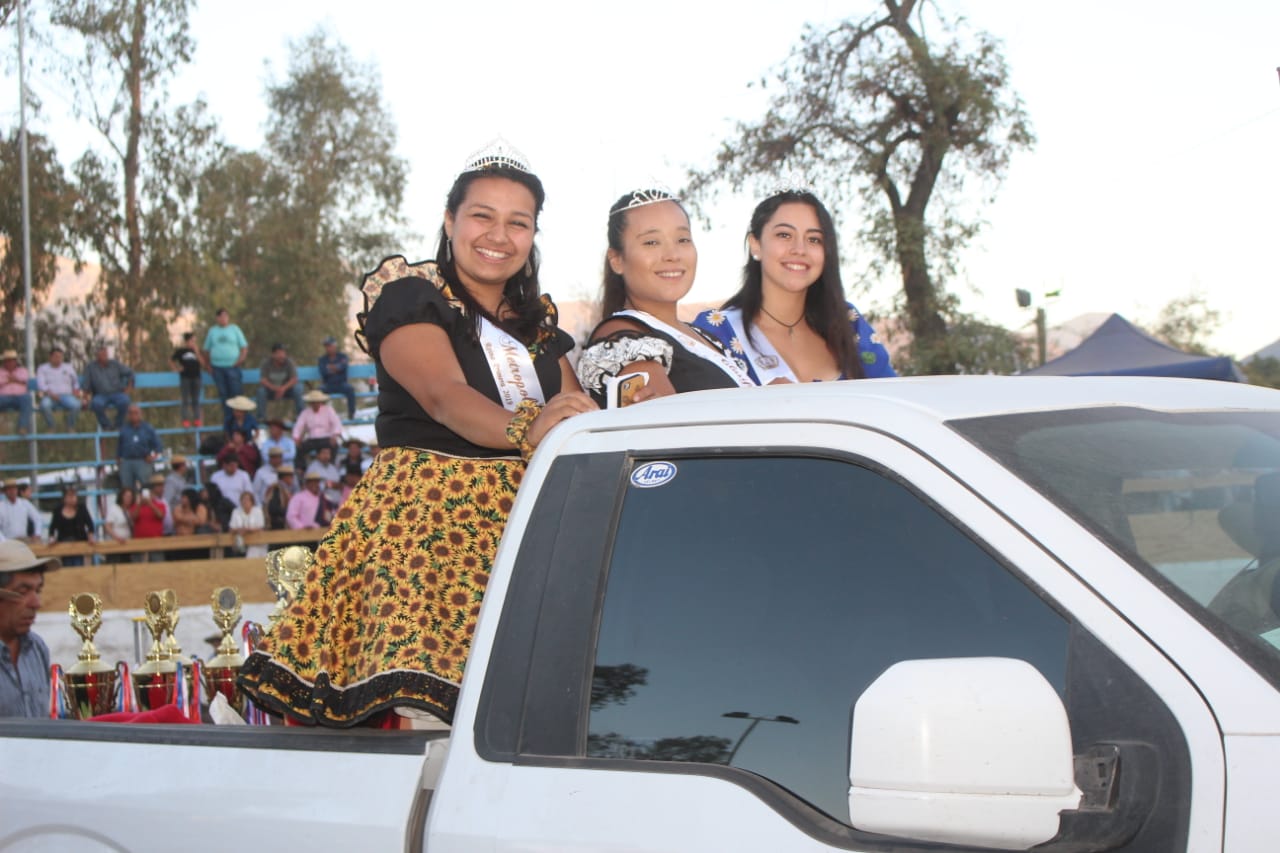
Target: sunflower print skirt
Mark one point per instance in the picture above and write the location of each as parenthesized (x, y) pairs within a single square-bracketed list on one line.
[(387, 611)]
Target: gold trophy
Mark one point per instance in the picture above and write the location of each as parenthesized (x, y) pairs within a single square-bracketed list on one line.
[(155, 681), (286, 570), (91, 684), (171, 641), (221, 671)]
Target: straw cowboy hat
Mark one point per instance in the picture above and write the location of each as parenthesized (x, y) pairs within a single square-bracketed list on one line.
[(242, 404), (15, 556), (8, 354), (315, 395)]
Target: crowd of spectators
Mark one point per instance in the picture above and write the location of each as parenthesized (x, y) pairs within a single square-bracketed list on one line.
[(264, 472)]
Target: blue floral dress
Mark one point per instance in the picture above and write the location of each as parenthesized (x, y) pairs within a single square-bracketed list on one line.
[(765, 365)]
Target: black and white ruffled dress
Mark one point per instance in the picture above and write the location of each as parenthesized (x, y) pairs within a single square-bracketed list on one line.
[(692, 363)]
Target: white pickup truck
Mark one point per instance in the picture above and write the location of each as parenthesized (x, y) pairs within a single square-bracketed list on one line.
[(892, 615)]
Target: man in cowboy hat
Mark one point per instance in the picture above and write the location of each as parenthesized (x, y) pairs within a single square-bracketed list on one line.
[(308, 508), (24, 658), (318, 425), (14, 393), (240, 417), (265, 477), (19, 519), (278, 439)]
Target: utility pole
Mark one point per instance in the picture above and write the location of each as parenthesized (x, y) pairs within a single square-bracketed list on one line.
[(24, 179), (1042, 332)]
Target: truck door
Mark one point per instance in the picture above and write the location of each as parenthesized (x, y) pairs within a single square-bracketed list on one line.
[(710, 616)]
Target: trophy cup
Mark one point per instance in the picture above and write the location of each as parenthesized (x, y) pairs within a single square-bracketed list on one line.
[(91, 684), (171, 641), (155, 681), (221, 670), (286, 569)]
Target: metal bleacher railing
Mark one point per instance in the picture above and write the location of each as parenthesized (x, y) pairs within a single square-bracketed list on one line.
[(154, 393)]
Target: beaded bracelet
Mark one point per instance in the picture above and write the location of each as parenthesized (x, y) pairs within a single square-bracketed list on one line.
[(518, 428)]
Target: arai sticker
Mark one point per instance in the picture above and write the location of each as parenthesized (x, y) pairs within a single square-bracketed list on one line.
[(652, 474)]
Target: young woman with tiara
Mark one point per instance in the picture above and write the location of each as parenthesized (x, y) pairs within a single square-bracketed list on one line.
[(649, 266), (790, 321), (471, 375)]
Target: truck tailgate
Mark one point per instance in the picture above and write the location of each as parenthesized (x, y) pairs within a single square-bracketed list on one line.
[(98, 786)]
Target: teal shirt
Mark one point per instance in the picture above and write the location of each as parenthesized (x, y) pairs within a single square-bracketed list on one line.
[(223, 343)]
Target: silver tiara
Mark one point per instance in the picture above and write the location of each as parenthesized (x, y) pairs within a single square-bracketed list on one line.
[(498, 154), (791, 182), (639, 198)]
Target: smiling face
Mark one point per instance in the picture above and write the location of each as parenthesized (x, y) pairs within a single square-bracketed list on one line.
[(658, 260), (790, 248), (491, 234)]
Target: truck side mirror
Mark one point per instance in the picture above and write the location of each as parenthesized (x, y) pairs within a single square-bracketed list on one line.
[(973, 751)]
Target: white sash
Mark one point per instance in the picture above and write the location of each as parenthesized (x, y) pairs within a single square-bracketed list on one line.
[(763, 357), (700, 348), (511, 366)]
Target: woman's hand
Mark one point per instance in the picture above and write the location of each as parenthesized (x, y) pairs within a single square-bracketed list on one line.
[(563, 405)]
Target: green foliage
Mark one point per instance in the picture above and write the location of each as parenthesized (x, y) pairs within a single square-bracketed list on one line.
[(1263, 371), (971, 346), (289, 230), (896, 111), (135, 200), (1187, 322), (51, 231)]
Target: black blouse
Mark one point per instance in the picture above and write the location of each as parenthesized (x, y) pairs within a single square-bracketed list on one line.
[(77, 529), (402, 422), (688, 372)]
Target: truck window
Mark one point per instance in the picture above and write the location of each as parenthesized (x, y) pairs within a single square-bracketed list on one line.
[(1192, 499), (749, 601)]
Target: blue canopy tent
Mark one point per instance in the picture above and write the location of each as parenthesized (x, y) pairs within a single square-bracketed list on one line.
[(1118, 348)]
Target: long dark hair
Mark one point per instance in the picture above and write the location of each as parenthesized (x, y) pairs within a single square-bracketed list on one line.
[(613, 289), (521, 291), (824, 306)]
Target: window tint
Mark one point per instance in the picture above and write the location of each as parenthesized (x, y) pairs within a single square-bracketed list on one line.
[(750, 601)]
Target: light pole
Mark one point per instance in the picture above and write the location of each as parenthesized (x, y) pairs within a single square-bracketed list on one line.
[(1042, 334), (755, 721), (26, 217)]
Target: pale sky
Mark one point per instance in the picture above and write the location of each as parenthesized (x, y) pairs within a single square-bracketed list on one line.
[(1156, 171)]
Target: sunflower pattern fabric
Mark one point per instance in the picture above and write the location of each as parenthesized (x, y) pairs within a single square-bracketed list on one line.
[(388, 610)]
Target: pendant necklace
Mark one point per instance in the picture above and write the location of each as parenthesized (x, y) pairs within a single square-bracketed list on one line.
[(790, 327)]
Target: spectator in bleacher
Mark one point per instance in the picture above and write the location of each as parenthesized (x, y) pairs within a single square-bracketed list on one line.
[(118, 524), (278, 439), (318, 425), (373, 453), (230, 480), (324, 465), (354, 454), (265, 477), (58, 386), (224, 352), (176, 483), (137, 449), (18, 515), (148, 514), (240, 417), (14, 393), (351, 474), (308, 508), (107, 383), (333, 374), (278, 380), (220, 508), (186, 360), (70, 522), (275, 503), (248, 518), (245, 451), (187, 513)]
